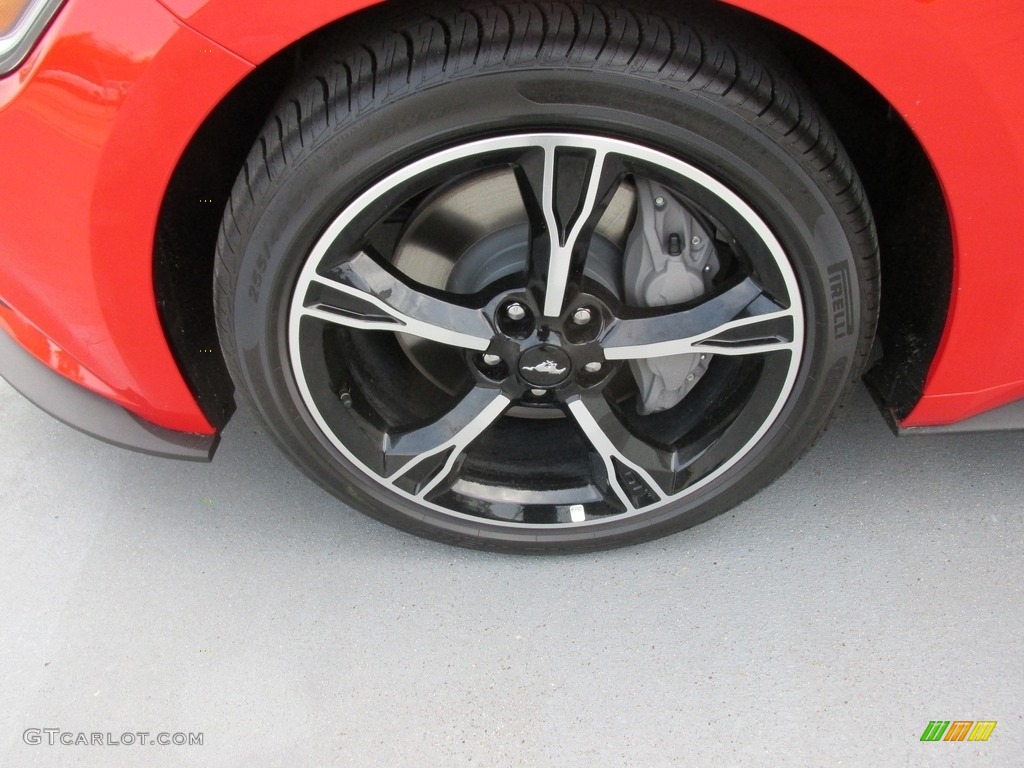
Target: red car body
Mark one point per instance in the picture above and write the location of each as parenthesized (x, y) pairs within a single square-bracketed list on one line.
[(98, 118)]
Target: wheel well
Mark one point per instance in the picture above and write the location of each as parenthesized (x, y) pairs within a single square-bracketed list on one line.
[(910, 212), (187, 227), (902, 188)]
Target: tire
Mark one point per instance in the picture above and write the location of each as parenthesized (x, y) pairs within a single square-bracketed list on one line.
[(545, 278)]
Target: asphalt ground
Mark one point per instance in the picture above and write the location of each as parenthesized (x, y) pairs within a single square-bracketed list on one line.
[(872, 589)]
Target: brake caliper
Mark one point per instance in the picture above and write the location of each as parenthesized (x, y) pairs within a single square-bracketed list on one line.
[(669, 259)]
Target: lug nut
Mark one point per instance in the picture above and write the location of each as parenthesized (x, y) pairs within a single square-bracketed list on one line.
[(659, 202), (515, 311), (592, 367), (695, 241), (538, 392), (491, 359), (581, 316)]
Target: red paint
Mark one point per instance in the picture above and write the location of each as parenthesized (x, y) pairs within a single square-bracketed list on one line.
[(104, 106), (46, 351), (256, 36), (953, 71), (93, 125)]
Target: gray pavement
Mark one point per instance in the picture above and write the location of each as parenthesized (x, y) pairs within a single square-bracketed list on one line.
[(875, 587)]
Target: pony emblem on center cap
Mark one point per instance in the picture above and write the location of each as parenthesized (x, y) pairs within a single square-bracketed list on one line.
[(548, 366)]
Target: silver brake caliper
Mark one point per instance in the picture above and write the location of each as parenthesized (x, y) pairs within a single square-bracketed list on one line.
[(669, 259)]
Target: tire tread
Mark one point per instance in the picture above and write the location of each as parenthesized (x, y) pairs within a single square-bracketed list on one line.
[(404, 51)]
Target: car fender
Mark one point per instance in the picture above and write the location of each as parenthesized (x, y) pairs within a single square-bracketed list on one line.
[(945, 67)]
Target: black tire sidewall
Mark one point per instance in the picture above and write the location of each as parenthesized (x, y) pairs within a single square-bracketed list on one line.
[(302, 200)]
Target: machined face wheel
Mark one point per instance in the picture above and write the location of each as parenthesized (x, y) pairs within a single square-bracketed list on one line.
[(537, 419), (547, 283)]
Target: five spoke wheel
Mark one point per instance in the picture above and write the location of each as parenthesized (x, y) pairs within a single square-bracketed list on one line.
[(545, 278), (539, 351)]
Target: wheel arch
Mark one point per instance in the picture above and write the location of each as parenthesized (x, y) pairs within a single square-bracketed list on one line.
[(889, 157)]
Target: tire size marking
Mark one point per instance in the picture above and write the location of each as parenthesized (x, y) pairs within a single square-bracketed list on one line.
[(256, 276)]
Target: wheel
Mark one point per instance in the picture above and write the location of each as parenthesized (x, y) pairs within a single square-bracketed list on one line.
[(553, 278)]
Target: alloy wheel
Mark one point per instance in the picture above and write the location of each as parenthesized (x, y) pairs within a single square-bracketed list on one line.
[(545, 330)]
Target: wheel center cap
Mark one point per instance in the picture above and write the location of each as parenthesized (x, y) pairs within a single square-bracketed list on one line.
[(544, 366)]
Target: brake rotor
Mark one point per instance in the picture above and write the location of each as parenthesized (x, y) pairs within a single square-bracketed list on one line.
[(475, 231)]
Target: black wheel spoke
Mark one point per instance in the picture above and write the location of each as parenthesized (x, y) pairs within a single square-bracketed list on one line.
[(638, 473), (565, 190), (739, 321), (437, 446), (360, 293), (518, 414)]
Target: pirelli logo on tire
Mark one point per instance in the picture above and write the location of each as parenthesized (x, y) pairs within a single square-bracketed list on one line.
[(840, 299), (958, 730)]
